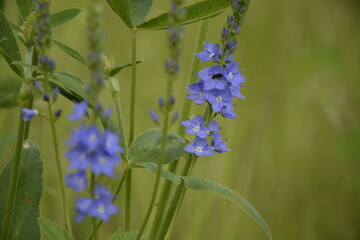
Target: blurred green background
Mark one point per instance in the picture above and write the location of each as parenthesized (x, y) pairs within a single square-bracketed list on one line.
[(295, 143)]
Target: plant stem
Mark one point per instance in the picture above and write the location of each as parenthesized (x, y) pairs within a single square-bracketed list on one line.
[(29, 55), (175, 205), (13, 179), (57, 156), (132, 127), (169, 90), (202, 32), (175, 200)]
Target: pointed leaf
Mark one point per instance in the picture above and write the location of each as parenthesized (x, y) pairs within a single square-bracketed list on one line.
[(199, 183), (15, 27), (164, 173), (116, 69), (61, 17), (21, 64), (132, 12), (131, 235), (9, 49), (71, 51), (53, 231), (24, 223), (25, 7), (193, 13), (146, 147)]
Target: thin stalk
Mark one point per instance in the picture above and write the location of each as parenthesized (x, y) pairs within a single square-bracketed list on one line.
[(165, 129), (118, 188), (57, 156), (29, 55), (93, 219), (119, 119), (13, 179), (132, 128), (203, 28), (177, 200)]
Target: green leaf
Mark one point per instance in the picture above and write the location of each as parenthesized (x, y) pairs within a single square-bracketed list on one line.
[(21, 64), (132, 12), (131, 235), (53, 231), (24, 223), (199, 183), (146, 147), (61, 17), (9, 49), (68, 84), (25, 7), (15, 27), (9, 92), (193, 13), (71, 51), (164, 173), (117, 68)]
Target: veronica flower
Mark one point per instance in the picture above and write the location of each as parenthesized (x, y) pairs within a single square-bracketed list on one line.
[(196, 126), (28, 113), (79, 111), (76, 181), (199, 147), (210, 52)]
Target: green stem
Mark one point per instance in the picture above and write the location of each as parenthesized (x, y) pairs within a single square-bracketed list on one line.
[(29, 55), (175, 200), (132, 127), (119, 118), (117, 191), (202, 32), (13, 180), (169, 90), (176, 203), (59, 167)]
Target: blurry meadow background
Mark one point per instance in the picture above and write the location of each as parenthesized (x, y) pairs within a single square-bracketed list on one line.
[(295, 143)]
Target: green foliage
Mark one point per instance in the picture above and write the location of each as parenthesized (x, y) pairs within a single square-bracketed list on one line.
[(164, 173), (146, 147), (193, 13), (132, 12), (9, 49), (130, 235), (25, 7), (24, 223), (6, 139), (9, 92), (62, 17), (199, 183), (70, 85), (53, 231), (117, 68), (72, 52)]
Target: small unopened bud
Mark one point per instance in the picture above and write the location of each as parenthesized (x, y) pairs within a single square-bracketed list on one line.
[(58, 113), (174, 117), (55, 94), (161, 102), (46, 97), (172, 100), (154, 117)]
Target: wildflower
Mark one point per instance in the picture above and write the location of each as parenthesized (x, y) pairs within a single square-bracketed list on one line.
[(210, 52), (28, 114), (196, 126), (79, 111), (199, 147), (76, 181), (217, 144)]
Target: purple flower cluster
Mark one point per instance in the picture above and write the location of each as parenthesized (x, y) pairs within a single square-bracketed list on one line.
[(218, 85), (95, 150), (200, 146)]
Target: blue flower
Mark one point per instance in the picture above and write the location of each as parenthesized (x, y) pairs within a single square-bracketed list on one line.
[(219, 99), (154, 116), (196, 91), (101, 206), (213, 78), (111, 143), (77, 180), (196, 126), (79, 111), (28, 113), (217, 144), (104, 163), (213, 126), (79, 157), (233, 75), (210, 52), (199, 147), (92, 137)]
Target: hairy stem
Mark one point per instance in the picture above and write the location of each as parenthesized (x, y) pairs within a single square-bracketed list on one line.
[(203, 28)]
